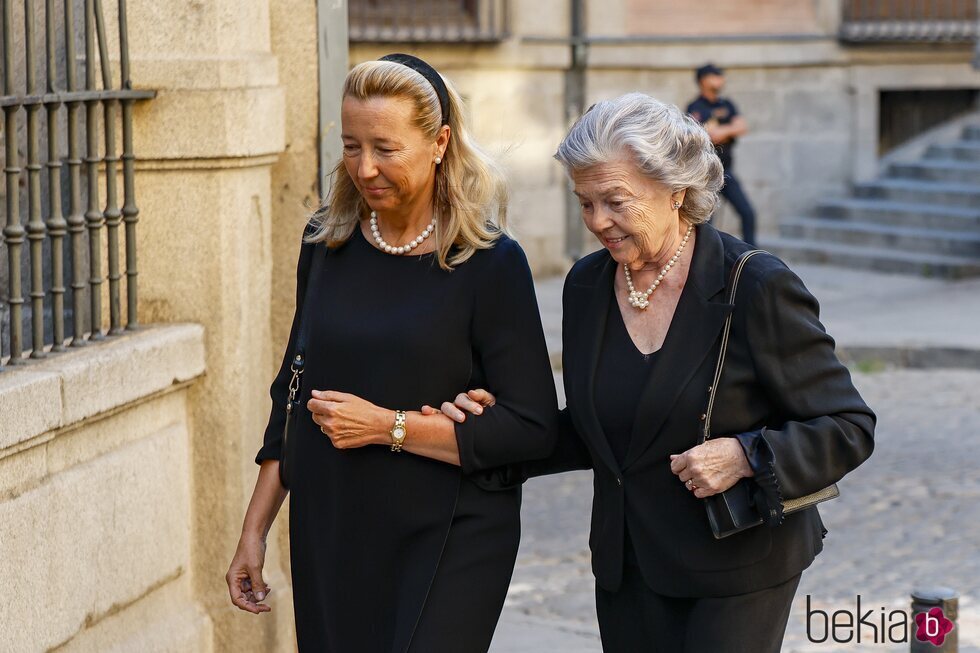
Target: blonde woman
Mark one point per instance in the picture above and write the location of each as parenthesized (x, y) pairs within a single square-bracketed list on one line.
[(419, 293)]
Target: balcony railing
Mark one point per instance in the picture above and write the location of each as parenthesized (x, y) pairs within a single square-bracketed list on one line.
[(65, 211), (927, 21), (427, 21)]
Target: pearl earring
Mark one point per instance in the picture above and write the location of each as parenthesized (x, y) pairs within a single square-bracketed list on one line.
[(438, 160), (677, 205)]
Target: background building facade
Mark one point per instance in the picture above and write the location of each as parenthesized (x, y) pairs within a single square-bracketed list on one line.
[(126, 466)]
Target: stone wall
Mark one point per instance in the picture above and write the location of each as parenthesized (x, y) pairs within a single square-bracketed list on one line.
[(221, 218), (96, 498)]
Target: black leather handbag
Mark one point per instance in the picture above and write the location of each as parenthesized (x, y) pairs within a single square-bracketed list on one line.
[(288, 455), (735, 509)]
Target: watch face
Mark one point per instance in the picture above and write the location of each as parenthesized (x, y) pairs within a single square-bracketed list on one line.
[(398, 433)]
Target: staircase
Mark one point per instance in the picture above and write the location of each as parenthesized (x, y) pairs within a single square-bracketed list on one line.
[(920, 218)]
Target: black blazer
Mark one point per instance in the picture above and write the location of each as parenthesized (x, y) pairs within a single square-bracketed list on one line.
[(781, 372)]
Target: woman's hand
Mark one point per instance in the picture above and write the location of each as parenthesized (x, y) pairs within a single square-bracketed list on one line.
[(472, 402), (712, 467), (349, 421), (244, 577)]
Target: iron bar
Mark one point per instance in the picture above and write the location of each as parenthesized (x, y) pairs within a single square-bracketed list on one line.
[(56, 221), (13, 232), (93, 216), (130, 211), (36, 230)]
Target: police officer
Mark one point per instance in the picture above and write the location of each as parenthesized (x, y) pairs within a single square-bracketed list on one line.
[(724, 124)]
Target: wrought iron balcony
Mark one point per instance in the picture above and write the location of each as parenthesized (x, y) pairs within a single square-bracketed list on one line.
[(427, 21), (926, 21)]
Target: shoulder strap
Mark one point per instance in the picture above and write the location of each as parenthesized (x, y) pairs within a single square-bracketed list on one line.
[(302, 334), (732, 288)]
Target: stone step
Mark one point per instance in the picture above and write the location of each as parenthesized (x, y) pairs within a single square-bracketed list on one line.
[(921, 192), (904, 214), (960, 172), (961, 151), (868, 258), (883, 236), (971, 133)]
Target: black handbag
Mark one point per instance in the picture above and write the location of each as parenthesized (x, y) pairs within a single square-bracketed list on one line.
[(735, 509), (288, 453)]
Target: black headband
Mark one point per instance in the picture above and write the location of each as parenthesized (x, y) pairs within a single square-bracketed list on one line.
[(430, 75)]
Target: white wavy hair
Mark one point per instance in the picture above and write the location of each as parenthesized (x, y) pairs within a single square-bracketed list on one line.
[(666, 145)]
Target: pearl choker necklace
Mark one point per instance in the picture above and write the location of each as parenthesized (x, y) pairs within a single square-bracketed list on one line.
[(404, 249), (641, 300)]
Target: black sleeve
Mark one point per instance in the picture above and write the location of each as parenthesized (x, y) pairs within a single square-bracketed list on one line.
[(732, 109), (767, 494), (569, 454), (509, 342), (272, 440), (826, 428)]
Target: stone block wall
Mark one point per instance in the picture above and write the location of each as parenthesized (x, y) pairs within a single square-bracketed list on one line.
[(96, 498)]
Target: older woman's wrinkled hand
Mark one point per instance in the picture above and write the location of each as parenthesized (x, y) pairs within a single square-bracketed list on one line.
[(712, 467), (472, 402)]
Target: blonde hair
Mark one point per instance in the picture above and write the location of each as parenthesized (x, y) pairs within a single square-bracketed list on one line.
[(664, 143), (470, 195)]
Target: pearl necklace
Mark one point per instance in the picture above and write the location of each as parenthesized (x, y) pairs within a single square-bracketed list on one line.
[(404, 249), (641, 300)]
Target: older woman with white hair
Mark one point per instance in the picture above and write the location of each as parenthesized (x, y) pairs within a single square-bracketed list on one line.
[(408, 289), (643, 323)]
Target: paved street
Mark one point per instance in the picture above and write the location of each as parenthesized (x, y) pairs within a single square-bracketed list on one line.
[(865, 310), (910, 516)]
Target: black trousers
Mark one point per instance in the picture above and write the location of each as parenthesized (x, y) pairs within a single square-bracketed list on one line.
[(732, 191), (636, 619)]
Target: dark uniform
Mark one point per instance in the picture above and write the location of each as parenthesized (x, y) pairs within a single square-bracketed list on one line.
[(721, 112)]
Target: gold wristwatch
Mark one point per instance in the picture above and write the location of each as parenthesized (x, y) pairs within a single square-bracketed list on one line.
[(398, 431)]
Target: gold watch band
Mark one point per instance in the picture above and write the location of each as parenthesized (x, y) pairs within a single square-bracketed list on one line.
[(399, 431)]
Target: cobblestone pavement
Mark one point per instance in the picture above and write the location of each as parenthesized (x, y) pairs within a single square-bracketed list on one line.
[(909, 516)]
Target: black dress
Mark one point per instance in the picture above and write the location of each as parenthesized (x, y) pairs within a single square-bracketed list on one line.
[(391, 551)]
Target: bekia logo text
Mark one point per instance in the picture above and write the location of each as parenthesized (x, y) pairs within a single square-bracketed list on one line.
[(875, 625)]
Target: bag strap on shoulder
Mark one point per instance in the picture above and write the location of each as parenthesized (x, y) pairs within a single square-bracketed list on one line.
[(302, 333), (719, 366)]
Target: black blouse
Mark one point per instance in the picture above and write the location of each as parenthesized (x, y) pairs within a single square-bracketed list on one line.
[(620, 377)]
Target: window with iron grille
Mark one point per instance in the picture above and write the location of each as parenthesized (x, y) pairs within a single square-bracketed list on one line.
[(909, 21), (442, 21), (68, 192)]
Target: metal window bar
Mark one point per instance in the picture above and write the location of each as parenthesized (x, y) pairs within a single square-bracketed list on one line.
[(926, 21), (56, 223), (427, 21), (53, 126)]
